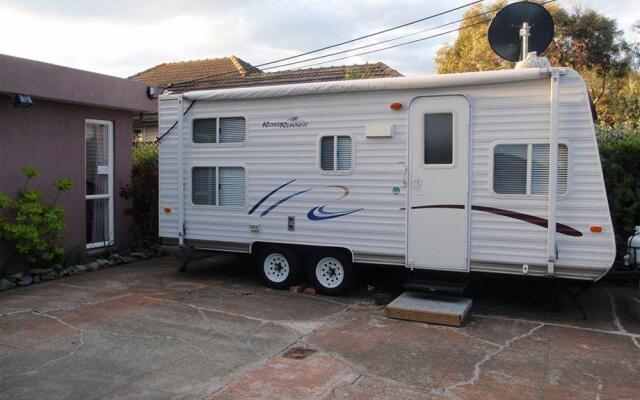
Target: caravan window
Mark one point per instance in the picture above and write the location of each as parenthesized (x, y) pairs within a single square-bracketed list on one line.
[(223, 186), (219, 130), (438, 139), (335, 153), (524, 169)]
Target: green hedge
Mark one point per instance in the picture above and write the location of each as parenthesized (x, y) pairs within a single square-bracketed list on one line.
[(143, 193), (620, 154)]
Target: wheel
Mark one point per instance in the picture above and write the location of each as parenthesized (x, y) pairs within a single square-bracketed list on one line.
[(331, 273), (279, 267)]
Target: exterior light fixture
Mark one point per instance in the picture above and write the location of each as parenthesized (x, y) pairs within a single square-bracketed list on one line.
[(151, 92), (21, 100)]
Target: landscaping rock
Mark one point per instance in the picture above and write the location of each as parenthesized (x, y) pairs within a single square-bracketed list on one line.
[(93, 266), (101, 262), (16, 277), (40, 271), (50, 276), (58, 268), (114, 256), (6, 284), (25, 280), (128, 259), (81, 269), (36, 279), (138, 254)]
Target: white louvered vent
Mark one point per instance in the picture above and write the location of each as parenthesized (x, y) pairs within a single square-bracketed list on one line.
[(204, 130), (232, 129), (203, 186), (232, 186)]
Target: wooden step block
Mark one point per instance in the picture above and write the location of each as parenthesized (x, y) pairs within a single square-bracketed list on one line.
[(424, 307)]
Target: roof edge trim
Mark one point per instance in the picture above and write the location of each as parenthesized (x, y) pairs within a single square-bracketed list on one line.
[(365, 85)]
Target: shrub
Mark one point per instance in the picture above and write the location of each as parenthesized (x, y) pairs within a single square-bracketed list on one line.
[(143, 193), (31, 228), (620, 154)]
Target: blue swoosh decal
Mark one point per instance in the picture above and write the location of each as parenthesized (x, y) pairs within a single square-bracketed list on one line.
[(327, 214), (262, 200), (268, 210)]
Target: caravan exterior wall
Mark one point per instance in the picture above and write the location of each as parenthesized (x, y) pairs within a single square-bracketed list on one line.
[(288, 196)]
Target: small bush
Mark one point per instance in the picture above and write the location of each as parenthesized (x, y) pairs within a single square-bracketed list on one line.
[(30, 228), (143, 193), (620, 154)]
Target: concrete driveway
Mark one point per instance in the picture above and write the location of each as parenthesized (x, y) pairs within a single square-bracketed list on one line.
[(146, 331)]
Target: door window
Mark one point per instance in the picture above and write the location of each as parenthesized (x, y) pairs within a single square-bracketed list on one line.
[(98, 138), (438, 139)]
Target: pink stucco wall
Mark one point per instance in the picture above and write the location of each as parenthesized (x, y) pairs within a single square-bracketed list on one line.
[(50, 136)]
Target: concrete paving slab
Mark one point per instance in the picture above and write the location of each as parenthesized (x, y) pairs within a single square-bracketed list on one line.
[(147, 331)]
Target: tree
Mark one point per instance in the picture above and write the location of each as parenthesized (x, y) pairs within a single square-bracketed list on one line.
[(471, 50), (584, 40), (587, 41)]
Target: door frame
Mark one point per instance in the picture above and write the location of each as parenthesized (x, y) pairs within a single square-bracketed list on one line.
[(409, 168), (109, 183)]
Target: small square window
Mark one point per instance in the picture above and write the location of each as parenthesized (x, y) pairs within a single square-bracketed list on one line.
[(336, 153), (223, 186), (219, 130), (205, 130)]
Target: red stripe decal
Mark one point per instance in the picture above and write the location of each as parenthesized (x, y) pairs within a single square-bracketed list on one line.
[(532, 219)]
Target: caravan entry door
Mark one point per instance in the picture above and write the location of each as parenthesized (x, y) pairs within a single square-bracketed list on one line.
[(438, 223)]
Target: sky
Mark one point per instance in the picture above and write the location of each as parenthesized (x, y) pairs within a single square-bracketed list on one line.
[(123, 37)]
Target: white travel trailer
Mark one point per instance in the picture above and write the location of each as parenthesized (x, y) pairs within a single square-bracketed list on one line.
[(445, 172)]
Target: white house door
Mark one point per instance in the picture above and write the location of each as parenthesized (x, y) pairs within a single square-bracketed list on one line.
[(98, 140), (438, 205)]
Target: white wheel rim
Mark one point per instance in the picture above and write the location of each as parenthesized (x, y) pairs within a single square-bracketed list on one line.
[(276, 267), (329, 272)]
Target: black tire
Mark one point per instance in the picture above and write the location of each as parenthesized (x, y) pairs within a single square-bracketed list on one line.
[(268, 268), (336, 280)]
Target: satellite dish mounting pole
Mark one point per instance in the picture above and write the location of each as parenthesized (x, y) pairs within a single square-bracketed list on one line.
[(524, 34)]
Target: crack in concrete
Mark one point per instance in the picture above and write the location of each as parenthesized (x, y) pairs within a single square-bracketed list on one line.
[(617, 322), (477, 368), (238, 375), (560, 325), (53, 360), (62, 309)]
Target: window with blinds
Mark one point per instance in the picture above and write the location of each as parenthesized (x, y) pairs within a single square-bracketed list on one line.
[(524, 169), (203, 186), (232, 130), (205, 130), (223, 186), (336, 154), (219, 130)]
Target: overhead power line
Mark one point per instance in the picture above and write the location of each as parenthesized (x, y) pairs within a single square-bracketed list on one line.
[(374, 33), (335, 45), (396, 38)]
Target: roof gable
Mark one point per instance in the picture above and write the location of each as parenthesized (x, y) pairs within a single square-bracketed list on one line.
[(166, 74)]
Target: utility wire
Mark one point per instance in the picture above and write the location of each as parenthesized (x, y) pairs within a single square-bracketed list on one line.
[(374, 34), (394, 46), (334, 45), (394, 39), (385, 41)]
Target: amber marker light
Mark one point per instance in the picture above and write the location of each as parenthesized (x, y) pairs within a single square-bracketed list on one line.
[(167, 210), (595, 228), (396, 106)]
